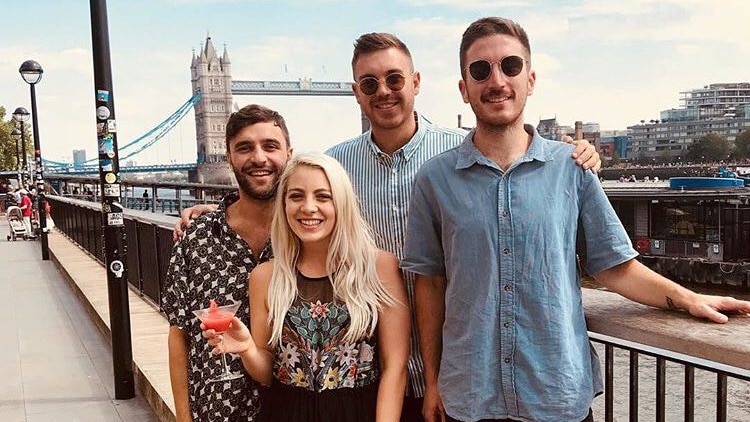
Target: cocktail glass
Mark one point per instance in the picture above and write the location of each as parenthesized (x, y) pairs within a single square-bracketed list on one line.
[(219, 318)]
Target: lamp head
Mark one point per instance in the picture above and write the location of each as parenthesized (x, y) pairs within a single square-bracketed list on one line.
[(31, 71), (21, 114)]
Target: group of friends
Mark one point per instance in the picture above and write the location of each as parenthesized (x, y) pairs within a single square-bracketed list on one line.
[(413, 272)]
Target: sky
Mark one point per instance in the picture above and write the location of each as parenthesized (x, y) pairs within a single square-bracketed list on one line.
[(610, 62)]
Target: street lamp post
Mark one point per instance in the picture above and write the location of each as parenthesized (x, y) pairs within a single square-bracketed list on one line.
[(31, 72), (21, 115), (113, 224), (17, 136)]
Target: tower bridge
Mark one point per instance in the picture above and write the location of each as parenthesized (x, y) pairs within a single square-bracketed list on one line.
[(211, 77), (212, 101)]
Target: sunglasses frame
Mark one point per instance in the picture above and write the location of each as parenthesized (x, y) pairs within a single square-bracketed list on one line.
[(383, 80), (499, 65)]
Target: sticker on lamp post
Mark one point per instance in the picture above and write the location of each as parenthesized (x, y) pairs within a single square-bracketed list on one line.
[(115, 219), (102, 113), (117, 268), (102, 95), (112, 190)]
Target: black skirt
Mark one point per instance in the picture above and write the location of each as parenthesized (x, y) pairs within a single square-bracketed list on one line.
[(284, 403)]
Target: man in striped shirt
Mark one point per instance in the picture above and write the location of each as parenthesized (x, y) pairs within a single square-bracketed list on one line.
[(383, 161)]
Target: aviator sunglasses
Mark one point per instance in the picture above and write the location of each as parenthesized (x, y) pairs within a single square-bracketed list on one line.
[(394, 81), (480, 70)]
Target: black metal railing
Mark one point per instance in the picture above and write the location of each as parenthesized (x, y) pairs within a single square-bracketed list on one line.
[(689, 365), (149, 240)]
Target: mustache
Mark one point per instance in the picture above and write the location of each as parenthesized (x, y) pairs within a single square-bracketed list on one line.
[(495, 93), (251, 167)]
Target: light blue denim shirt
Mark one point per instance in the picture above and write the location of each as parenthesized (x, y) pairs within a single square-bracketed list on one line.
[(514, 339)]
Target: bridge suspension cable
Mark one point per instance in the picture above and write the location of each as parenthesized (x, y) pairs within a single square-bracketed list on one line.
[(149, 138)]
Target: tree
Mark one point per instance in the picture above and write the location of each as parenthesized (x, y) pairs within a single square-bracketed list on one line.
[(742, 145), (8, 144), (711, 147)]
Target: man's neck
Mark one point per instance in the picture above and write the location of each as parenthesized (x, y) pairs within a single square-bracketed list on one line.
[(390, 140), (502, 144), (251, 220)]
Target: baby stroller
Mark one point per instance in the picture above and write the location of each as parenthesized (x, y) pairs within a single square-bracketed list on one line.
[(15, 221)]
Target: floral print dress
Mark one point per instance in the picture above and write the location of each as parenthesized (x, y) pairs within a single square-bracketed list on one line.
[(317, 375)]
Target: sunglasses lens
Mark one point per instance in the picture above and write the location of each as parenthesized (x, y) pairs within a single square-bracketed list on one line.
[(512, 65), (480, 70), (368, 85), (395, 81)]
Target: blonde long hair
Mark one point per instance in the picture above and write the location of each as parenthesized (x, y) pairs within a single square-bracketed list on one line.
[(350, 261)]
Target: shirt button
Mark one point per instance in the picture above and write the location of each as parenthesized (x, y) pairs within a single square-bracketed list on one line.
[(505, 213), (506, 251), (395, 208), (506, 324), (507, 288), (507, 360)]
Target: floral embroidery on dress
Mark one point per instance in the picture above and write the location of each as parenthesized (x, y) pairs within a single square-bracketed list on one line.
[(313, 355)]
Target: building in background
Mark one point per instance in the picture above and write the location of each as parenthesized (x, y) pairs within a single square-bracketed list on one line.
[(552, 129), (211, 75), (79, 158), (722, 108), (614, 144)]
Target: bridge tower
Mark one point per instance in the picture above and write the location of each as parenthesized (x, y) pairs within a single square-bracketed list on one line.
[(211, 75)]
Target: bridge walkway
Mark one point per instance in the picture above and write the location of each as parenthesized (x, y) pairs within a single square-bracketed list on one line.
[(54, 364)]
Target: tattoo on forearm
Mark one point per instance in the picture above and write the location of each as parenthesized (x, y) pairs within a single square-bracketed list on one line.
[(670, 303)]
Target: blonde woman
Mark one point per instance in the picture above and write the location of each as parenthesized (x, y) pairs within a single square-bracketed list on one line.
[(329, 317)]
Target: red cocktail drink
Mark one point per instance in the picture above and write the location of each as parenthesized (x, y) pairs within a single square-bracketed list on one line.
[(219, 318)]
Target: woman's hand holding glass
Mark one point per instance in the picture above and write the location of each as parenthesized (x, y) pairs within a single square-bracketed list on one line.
[(236, 339)]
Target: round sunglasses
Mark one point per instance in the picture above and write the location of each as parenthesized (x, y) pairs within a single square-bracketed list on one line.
[(481, 70), (394, 81)]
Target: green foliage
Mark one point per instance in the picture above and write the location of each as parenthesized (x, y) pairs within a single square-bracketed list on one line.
[(8, 144), (711, 147), (742, 145)]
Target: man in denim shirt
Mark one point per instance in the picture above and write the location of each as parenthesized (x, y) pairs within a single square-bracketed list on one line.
[(491, 234)]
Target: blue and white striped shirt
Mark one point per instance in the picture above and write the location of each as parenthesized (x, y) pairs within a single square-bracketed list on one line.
[(383, 185)]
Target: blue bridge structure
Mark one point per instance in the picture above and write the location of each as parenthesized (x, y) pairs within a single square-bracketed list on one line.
[(134, 148)]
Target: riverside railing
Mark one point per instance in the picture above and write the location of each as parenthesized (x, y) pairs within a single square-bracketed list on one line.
[(658, 365), (688, 364), (148, 235)]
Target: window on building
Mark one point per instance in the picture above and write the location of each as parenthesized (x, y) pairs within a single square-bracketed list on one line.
[(626, 211), (680, 221)]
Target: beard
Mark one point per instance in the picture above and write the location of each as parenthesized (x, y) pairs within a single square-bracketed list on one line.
[(493, 120), (253, 192)]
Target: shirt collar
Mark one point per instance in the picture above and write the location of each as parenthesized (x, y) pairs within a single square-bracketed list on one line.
[(468, 154), (220, 223), (410, 147)]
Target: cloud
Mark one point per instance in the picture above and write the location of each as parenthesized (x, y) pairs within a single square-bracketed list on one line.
[(658, 21), (469, 5)]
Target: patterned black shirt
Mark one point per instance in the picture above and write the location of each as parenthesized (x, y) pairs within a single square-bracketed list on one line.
[(212, 262)]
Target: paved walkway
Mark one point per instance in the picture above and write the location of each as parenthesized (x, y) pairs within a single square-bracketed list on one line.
[(54, 364)]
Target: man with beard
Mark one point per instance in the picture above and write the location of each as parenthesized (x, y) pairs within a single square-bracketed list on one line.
[(213, 261), (492, 235)]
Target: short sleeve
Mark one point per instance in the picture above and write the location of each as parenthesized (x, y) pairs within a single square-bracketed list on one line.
[(604, 238), (174, 301), (423, 250)]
